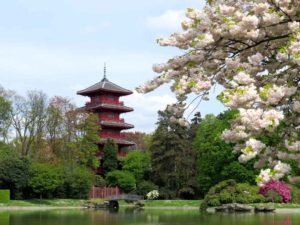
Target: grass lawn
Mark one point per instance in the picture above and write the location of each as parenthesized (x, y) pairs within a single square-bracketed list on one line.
[(148, 203), (45, 202), (176, 203), (279, 206)]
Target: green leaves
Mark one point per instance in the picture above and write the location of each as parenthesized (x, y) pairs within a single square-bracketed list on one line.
[(137, 163), (110, 160), (45, 178)]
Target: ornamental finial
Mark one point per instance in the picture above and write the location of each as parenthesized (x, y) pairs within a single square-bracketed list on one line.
[(104, 72)]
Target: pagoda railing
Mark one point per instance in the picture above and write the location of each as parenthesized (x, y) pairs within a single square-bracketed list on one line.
[(104, 102), (106, 118)]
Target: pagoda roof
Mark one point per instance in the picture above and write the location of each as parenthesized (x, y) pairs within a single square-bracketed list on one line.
[(116, 124), (118, 141), (104, 86), (111, 106)]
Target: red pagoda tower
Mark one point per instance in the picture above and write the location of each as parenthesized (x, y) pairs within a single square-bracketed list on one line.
[(105, 102)]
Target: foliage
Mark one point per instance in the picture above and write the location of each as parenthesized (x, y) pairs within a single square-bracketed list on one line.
[(186, 193), (172, 157), (121, 179), (145, 187), (99, 181), (216, 161), (138, 138), (110, 160), (136, 163), (229, 191), (44, 178), (240, 173), (5, 117), (272, 188), (252, 52), (79, 182), (14, 171), (165, 193), (4, 196), (295, 195), (88, 142), (152, 195)]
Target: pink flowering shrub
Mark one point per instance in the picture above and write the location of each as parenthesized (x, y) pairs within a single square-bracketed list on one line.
[(281, 188)]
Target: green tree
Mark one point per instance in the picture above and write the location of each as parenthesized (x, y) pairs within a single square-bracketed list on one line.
[(121, 179), (14, 171), (79, 182), (45, 178), (88, 142), (215, 157), (5, 118), (137, 163), (110, 160), (172, 156)]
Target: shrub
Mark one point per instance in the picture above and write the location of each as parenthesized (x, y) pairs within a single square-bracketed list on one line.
[(145, 187), (4, 196), (248, 194), (165, 193), (122, 179), (99, 181), (79, 182), (186, 193), (14, 171), (295, 195), (231, 192), (270, 189), (152, 195)]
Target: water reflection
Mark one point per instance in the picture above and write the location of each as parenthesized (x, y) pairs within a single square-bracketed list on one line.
[(130, 216)]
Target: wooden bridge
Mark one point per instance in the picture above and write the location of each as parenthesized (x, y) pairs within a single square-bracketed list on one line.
[(113, 200), (126, 197)]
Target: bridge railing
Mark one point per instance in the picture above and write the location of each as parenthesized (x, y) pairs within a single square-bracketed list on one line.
[(104, 192)]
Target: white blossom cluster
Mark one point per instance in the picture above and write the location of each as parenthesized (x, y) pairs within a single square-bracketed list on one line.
[(279, 171), (253, 147), (152, 195), (251, 49)]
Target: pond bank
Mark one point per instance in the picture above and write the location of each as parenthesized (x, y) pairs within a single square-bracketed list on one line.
[(156, 204)]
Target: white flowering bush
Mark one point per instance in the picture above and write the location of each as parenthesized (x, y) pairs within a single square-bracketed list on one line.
[(152, 195), (252, 50)]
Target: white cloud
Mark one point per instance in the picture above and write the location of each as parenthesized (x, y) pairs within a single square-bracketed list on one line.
[(145, 111), (171, 20)]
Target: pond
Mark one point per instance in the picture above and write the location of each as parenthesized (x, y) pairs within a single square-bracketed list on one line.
[(128, 216)]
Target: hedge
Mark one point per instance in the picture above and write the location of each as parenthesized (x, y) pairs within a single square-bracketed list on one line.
[(4, 196)]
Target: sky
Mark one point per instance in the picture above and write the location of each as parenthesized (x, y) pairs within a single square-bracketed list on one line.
[(60, 46)]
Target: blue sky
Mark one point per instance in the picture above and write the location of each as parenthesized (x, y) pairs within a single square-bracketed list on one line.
[(59, 46)]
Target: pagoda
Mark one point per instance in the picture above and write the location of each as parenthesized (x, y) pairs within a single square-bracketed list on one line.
[(105, 102)]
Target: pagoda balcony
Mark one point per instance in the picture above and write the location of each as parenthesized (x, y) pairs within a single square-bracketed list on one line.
[(106, 118), (116, 124), (105, 106), (93, 103)]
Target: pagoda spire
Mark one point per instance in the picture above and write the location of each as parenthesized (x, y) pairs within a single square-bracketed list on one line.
[(104, 73)]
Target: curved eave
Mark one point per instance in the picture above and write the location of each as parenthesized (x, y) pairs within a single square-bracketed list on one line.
[(118, 141), (89, 93), (115, 124), (112, 107)]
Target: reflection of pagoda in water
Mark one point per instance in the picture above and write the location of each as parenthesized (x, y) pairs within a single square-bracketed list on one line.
[(105, 102)]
